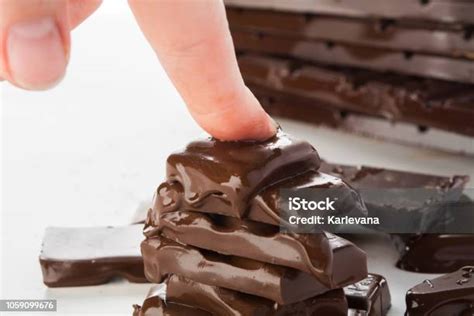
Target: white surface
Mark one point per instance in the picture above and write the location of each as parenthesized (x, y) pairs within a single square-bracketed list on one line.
[(87, 152), (90, 243)]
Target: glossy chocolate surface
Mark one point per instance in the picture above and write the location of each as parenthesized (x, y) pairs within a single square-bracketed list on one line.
[(91, 255), (315, 254), (451, 294), (225, 302), (435, 253), (310, 253), (233, 172), (264, 207), (155, 306), (322, 93), (164, 257), (400, 35), (338, 54), (370, 296)]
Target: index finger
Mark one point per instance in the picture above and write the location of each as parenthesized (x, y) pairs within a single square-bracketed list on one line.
[(193, 42)]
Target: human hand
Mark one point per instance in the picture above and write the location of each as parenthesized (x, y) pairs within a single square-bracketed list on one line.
[(190, 37)]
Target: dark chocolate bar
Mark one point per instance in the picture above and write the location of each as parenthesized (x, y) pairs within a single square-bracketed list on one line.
[(221, 301), (236, 171), (435, 253), (451, 294), (378, 59), (370, 297), (164, 257), (92, 255), (399, 35), (329, 91), (405, 202), (320, 113), (435, 10)]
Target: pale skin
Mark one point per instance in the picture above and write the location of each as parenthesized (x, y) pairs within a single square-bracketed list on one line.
[(191, 39)]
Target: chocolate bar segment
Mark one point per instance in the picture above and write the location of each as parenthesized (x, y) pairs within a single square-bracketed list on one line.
[(329, 91), (433, 10), (425, 203), (164, 257), (221, 301), (310, 253), (236, 171), (338, 54), (92, 255), (451, 294), (435, 253), (399, 35), (370, 296)]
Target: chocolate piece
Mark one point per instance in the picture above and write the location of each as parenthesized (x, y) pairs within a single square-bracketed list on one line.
[(163, 257), (235, 172), (431, 103), (265, 206), (370, 296), (155, 306), (92, 255), (400, 35), (405, 202), (312, 253), (221, 301), (382, 60), (451, 294), (435, 253), (437, 10)]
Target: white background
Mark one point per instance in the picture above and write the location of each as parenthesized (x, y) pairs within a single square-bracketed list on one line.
[(89, 151)]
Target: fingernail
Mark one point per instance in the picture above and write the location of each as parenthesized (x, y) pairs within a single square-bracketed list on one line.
[(36, 54), (274, 124)]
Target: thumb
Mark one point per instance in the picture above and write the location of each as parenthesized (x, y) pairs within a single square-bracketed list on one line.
[(35, 39)]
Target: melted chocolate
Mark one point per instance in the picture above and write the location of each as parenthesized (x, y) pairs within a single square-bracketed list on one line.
[(264, 207), (163, 257), (321, 93), (234, 172), (451, 294), (262, 242), (370, 296), (90, 256), (314, 254)]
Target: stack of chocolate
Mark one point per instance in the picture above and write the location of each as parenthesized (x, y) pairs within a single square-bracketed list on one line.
[(213, 235), (336, 64)]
